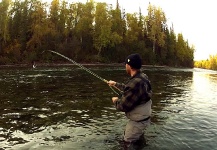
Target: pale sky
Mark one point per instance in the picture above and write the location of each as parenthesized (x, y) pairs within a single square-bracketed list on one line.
[(195, 19)]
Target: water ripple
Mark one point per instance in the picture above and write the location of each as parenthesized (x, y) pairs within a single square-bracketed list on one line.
[(64, 108)]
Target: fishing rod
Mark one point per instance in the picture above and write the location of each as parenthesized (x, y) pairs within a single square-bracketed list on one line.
[(86, 69)]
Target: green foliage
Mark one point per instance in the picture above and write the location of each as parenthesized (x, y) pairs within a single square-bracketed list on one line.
[(102, 31), (156, 31), (38, 28), (88, 32), (4, 35)]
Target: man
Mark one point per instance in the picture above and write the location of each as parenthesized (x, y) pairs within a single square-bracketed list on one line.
[(135, 100)]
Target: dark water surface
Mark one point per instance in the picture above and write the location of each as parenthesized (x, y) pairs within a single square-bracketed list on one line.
[(57, 108)]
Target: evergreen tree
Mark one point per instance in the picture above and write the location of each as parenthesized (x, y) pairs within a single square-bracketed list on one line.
[(156, 25)]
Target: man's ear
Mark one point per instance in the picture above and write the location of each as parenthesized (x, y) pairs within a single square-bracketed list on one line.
[(128, 66)]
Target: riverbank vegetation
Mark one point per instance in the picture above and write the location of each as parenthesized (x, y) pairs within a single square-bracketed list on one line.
[(88, 32), (210, 63)]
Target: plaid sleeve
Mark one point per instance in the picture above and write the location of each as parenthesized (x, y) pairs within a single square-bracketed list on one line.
[(131, 96), (120, 86)]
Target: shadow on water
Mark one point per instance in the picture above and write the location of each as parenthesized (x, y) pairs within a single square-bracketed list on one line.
[(67, 108)]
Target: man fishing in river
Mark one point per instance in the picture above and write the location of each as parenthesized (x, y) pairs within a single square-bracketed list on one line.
[(135, 100)]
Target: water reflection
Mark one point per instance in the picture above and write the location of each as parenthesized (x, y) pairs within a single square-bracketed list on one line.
[(64, 108), (171, 88), (188, 112)]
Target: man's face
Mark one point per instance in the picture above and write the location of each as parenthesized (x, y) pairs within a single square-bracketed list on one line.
[(128, 69)]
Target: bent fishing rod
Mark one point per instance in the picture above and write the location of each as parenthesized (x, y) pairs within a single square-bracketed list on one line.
[(86, 69)]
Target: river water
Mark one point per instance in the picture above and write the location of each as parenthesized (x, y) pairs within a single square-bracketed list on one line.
[(64, 107)]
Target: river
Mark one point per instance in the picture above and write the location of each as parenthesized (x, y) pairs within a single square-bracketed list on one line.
[(65, 107)]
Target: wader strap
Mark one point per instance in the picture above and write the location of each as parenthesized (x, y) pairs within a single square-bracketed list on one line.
[(144, 119)]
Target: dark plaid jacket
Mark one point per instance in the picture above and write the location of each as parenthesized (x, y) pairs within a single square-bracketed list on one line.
[(135, 92)]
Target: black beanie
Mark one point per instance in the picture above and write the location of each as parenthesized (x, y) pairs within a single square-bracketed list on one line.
[(134, 60)]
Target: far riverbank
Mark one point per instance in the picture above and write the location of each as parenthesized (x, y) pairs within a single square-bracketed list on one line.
[(70, 64)]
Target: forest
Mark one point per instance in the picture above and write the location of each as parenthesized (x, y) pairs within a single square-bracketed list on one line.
[(91, 32), (210, 63)]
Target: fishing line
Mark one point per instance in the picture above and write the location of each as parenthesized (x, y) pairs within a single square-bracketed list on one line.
[(86, 69)]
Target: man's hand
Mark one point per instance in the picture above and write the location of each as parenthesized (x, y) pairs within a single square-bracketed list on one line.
[(111, 83), (114, 99)]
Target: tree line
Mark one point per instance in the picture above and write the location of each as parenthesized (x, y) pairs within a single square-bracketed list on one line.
[(210, 63), (88, 32)]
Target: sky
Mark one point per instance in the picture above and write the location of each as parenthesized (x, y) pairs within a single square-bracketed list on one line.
[(195, 19)]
